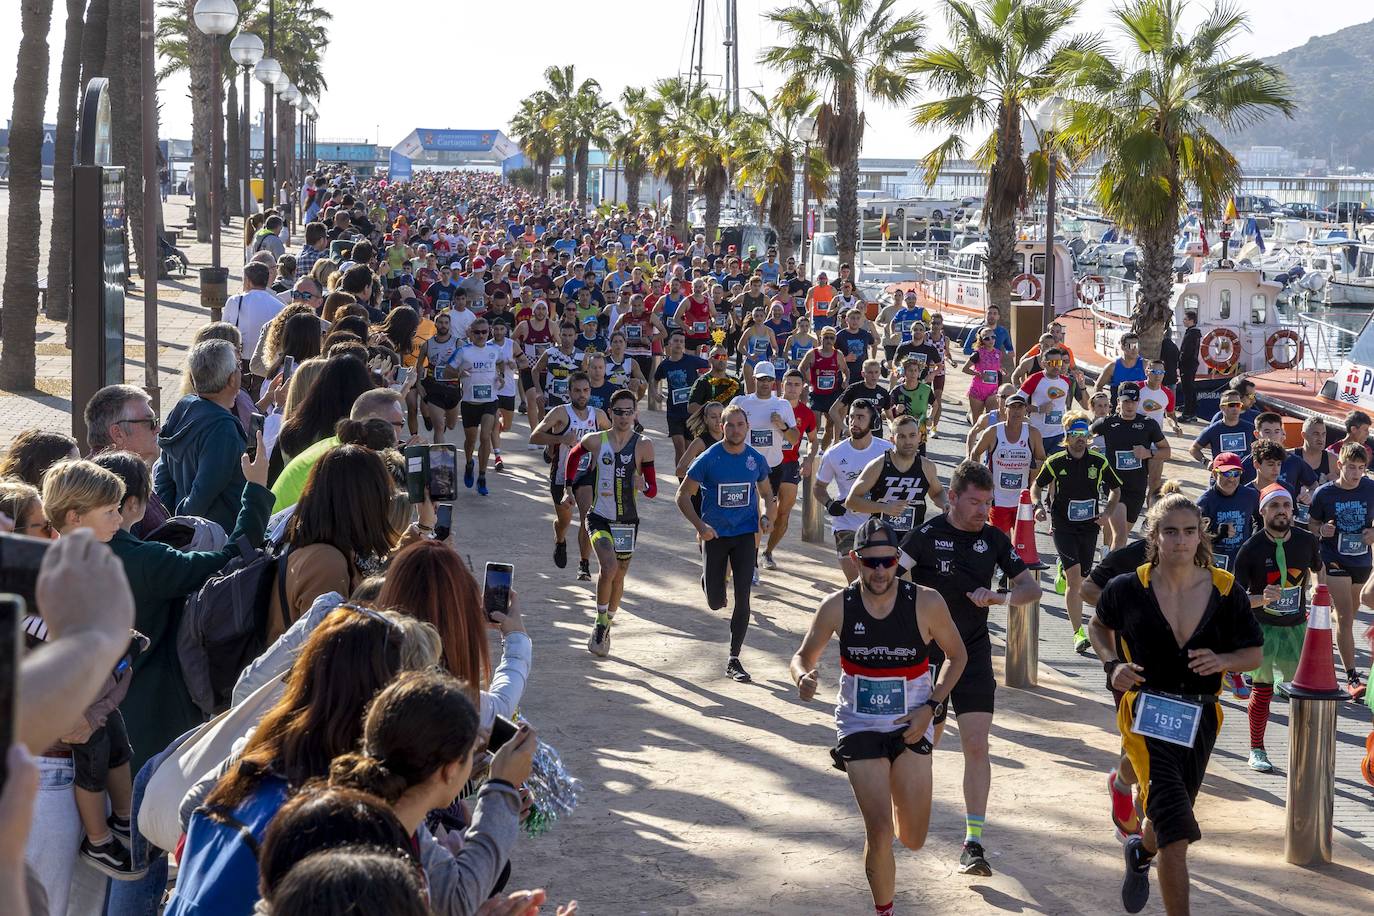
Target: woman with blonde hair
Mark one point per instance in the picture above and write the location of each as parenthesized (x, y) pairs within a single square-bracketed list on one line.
[(22, 505), (81, 494)]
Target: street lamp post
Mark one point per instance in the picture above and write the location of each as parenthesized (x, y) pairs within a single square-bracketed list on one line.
[(279, 90), (290, 95), (1046, 120), (808, 131), (216, 18), (266, 72), (246, 49)]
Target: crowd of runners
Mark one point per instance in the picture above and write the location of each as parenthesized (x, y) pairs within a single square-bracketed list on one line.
[(441, 310)]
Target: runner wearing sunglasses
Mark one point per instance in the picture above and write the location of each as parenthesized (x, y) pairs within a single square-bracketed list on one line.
[(605, 494), (956, 553), (887, 697), (482, 370)]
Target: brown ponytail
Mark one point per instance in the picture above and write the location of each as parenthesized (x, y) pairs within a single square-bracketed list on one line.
[(367, 774)]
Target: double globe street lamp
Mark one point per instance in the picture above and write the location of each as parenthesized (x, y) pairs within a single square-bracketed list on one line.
[(267, 71), (246, 49)]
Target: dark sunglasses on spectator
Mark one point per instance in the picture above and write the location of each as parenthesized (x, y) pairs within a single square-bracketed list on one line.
[(879, 562), (154, 423), (302, 294)]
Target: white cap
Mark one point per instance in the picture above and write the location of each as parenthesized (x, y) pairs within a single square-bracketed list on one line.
[(765, 370)]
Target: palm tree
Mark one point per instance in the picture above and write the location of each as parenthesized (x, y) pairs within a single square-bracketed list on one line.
[(769, 151), (628, 148), (64, 154), (593, 122), (570, 109), (301, 38), (705, 150), (535, 139), (1003, 59), (667, 117), (840, 49), (1150, 114), (26, 174)]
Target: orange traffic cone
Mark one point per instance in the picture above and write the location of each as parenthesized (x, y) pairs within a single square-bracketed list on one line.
[(1316, 672), (1023, 535)]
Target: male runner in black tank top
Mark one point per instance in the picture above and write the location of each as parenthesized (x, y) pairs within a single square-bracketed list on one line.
[(895, 484), (886, 701)]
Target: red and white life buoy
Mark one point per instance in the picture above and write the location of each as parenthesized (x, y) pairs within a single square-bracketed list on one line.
[(1034, 282), (1273, 341), (1091, 289), (1221, 349)]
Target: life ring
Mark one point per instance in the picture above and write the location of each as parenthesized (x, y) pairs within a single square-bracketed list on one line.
[(1272, 342), (1091, 289), (1034, 282), (1231, 348)]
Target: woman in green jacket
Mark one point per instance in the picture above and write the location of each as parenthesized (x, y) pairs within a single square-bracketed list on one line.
[(158, 707)]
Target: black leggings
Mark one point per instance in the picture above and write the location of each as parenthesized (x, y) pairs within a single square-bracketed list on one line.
[(739, 551)]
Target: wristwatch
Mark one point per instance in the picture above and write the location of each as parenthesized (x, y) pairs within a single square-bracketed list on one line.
[(937, 705)]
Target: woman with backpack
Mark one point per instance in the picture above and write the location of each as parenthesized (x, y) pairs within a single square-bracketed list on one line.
[(418, 741), (318, 718)]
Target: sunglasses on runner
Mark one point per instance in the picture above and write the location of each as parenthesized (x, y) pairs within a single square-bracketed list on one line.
[(623, 411), (878, 562), (1229, 475)]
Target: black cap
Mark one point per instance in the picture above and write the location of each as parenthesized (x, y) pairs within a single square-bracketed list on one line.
[(875, 533), (1129, 391)]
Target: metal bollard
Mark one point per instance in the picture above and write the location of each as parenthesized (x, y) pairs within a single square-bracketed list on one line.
[(1311, 776), (813, 521), (214, 290), (1023, 645)]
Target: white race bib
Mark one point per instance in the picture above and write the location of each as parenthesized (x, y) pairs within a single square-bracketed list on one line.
[(1127, 461), (1167, 719), (1082, 510), (733, 495), (879, 696)]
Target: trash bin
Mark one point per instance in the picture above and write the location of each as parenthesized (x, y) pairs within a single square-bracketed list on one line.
[(214, 290)]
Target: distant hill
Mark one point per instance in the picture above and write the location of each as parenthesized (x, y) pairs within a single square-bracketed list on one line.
[(1333, 82)]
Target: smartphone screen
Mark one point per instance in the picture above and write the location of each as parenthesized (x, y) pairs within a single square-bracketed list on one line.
[(288, 366), (255, 427), (496, 588), (502, 730), (444, 524), (417, 460), (443, 473), (11, 645)]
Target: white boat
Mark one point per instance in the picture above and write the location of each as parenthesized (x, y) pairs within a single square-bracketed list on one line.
[(1352, 277)]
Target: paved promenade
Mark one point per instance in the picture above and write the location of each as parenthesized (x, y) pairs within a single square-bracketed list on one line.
[(707, 796)]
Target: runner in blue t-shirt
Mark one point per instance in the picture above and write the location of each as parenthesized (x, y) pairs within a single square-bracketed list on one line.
[(1228, 434), (678, 369), (731, 476)]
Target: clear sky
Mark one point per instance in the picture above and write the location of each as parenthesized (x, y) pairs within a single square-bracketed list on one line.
[(408, 63)]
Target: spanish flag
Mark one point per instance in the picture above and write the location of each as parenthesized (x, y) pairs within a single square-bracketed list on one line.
[(884, 228), (1231, 214)]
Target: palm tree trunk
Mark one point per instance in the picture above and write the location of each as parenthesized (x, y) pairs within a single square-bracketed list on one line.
[(286, 148), (847, 201), (1006, 186), (1156, 288), (198, 65), (712, 188), (543, 167), (64, 154), (677, 214), (233, 201), (93, 38), (780, 214), (583, 172), (26, 173), (633, 176), (124, 71)]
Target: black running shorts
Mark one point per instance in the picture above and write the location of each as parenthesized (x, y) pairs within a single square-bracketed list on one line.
[(875, 746)]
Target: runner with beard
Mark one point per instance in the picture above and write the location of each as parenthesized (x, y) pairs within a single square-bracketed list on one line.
[(441, 396), (793, 388), (562, 428), (894, 486), (824, 369), (1275, 566), (956, 553), (716, 385), (842, 464), (886, 699), (605, 491), (677, 370), (1131, 441), (535, 335), (553, 369)]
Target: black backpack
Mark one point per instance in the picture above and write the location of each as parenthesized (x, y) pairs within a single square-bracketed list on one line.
[(223, 626)]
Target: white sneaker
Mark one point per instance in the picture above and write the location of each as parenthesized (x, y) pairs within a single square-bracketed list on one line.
[(767, 564), (756, 575)]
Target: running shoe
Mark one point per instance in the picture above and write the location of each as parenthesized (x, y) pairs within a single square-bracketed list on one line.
[(1355, 687), (768, 562), (756, 575), (560, 554), (1135, 886), (468, 474), (1124, 814), (584, 571), (1367, 764), (737, 672), (599, 644), (482, 486), (111, 858), (498, 462), (1281, 691), (1238, 685), (1081, 643), (1061, 581), (1259, 760), (972, 861)]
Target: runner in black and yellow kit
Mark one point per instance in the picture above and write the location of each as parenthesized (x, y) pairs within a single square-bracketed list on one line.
[(1166, 635), (605, 492), (1075, 478)]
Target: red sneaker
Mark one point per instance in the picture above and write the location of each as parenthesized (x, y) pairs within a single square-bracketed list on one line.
[(1367, 764), (1124, 814)]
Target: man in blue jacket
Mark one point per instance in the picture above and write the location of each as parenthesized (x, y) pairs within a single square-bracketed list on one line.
[(202, 441)]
